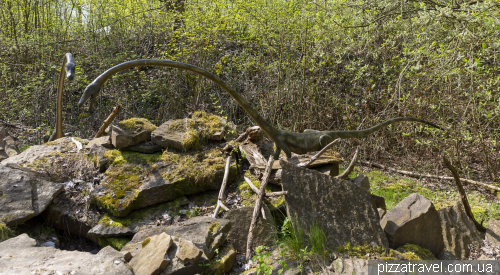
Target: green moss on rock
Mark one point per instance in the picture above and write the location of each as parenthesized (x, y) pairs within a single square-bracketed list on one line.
[(116, 243), (5, 232), (415, 252), (137, 124)]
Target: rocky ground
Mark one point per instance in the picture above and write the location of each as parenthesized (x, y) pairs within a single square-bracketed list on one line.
[(142, 199)]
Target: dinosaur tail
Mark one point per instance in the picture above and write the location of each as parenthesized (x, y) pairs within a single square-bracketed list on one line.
[(366, 132)]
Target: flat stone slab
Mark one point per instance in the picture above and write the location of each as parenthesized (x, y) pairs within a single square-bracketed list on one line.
[(147, 147), (341, 209), (414, 220), (151, 259), (23, 195), (458, 231), (20, 255)]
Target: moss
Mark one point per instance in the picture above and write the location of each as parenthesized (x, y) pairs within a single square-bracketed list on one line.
[(137, 124), (213, 227), (218, 263), (117, 157), (359, 250), (5, 232), (117, 243), (249, 196), (415, 252), (145, 242)]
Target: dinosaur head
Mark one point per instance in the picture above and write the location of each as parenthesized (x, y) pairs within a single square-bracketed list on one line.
[(70, 70), (91, 93)]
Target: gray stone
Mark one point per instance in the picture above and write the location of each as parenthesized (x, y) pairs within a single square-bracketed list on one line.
[(121, 138), (104, 141), (140, 219), (188, 252), (349, 266), (264, 232), (3, 134), (10, 146), (361, 181), (23, 195), (381, 212), (493, 232), (224, 261), (20, 255), (378, 202), (458, 230), (147, 147), (201, 231), (96, 149), (414, 220), (342, 210), (168, 139), (151, 259), (3, 155)]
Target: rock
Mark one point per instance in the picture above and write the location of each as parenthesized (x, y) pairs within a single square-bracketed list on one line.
[(127, 256), (131, 132), (97, 150), (137, 220), (458, 230), (223, 261), (188, 252), (493, 232), (104, 141), (202, 231), (147, 147), (23, 195), (349, 266), (3, 134), (361, 181), (189, 133), (20, 255), (414, 220), (414, 252), (58, 159), (378, 202), (342, 210), (264, 232), (10, 146), (134, 180), (381, 212), (152, 258), (5, 232), (3, 155)]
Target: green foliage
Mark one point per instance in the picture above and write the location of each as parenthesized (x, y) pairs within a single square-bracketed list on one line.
[(260, 258)]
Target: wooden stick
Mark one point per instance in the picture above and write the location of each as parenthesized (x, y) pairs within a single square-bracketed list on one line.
[(417, 175), (222, 189), (258, 205), (350, 167), (111, 117), (256, 190), (315, 157), (463, 195)]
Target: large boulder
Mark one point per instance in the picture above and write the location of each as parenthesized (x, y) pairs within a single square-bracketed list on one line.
[(24, 194), (493, 232), (458, 231), (190, 133), (264, 232), (339, 208), (20, 255), (131, 132), (414, 220), (134, 180), (151, 259)]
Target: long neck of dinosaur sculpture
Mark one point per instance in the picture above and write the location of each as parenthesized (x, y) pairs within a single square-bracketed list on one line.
[(67, 69), (264, 125)]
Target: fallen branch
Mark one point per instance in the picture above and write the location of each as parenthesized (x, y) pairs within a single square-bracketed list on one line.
[(417, 175), (349, 169), (463, 195), (258, 205), (111, 117), (315, 157), (256, 190), (222, 189)]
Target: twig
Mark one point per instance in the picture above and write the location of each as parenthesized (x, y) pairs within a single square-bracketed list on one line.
[(114, 113), (417, 175), (315, 157), (258, 205), (222, 189), (349, 169), (463, 195), (256, 190)]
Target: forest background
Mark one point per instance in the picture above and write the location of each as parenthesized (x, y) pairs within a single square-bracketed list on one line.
[(325, 65)]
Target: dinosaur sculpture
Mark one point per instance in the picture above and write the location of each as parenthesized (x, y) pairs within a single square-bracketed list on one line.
[(68, 67), (287, 141)]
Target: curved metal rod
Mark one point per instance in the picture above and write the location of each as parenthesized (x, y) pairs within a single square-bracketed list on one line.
[(287, 141), (67, 68)]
